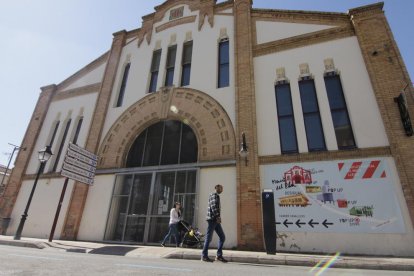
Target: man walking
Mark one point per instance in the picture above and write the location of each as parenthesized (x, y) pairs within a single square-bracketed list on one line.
[(214, 224)]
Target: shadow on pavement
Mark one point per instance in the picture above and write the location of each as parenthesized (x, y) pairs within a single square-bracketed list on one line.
[(113, 250)]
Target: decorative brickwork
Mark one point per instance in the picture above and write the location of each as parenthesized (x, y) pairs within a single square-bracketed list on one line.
[(249, 215), (388, 76), (205, 8), (303, 40), (80, 191), (325, 155), (177, 22), (208, 120), (8, 199), (76, 92)]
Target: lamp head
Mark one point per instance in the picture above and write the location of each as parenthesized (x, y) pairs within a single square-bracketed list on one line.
[(45, 154), (243, 147)]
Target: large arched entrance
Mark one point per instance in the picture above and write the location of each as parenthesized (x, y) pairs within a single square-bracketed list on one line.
[(141, 201), (156, 149)]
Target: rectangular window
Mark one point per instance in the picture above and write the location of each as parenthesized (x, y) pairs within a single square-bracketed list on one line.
[(78, 128), (169, 76), (62, 142), (224, 64), (52, 139), (339, 112), (311, 116), (155, 65), (123, 85), (186, 63), (286, 119)]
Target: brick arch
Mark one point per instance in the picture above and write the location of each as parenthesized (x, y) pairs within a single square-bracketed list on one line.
[(206, 117)]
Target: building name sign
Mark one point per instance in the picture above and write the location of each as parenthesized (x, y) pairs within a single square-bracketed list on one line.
[(79, 164), (176, 13)]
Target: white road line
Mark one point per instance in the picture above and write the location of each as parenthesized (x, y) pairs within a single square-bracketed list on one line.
[(35, 257), (154, 267)]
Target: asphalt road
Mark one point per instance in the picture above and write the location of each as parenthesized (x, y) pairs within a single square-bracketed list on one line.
[(29, 261)]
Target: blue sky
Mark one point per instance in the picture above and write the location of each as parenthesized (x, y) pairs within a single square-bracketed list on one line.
[(46, 41)]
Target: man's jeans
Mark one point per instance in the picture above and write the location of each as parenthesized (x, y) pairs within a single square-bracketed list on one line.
[(214, 226), (173, 231)]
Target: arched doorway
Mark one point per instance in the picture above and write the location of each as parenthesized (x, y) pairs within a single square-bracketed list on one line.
[(141, 201)]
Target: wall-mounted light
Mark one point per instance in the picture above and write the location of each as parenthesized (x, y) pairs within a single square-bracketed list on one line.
[(243, 149)]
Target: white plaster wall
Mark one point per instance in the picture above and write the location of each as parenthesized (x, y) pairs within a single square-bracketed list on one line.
[(271, 31), (363, 110), (353, 243), (95, 214), (42, 208), (65, 107), (228, 199), (92, 77), (203, 66)]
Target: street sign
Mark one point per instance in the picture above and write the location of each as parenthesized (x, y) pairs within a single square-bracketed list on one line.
[(76, 177), (79, 164), (75, 162)]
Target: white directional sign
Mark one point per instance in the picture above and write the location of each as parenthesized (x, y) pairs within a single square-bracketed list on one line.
[(79, 164)]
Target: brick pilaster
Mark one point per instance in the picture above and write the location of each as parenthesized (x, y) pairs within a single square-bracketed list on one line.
[(80, 191), (249, 215), (12, 189), (388, 76)]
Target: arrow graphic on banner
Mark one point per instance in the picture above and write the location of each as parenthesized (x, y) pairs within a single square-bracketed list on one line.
[(325, 223), (298, 223), (311, 223), (285, 223)]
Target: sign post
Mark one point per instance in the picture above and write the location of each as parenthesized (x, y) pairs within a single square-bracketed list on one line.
[(79, 165)]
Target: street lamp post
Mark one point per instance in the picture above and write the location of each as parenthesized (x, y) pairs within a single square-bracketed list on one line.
[(44, 155)]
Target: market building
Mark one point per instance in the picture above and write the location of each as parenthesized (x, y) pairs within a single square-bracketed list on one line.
[(166, 107)]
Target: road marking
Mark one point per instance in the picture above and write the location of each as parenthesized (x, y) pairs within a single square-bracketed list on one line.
[(156, 267), (36, 257)]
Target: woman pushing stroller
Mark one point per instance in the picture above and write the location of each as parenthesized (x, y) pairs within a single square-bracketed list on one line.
[(175, 215)]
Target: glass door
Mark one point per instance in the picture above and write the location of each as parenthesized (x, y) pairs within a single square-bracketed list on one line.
[(141, 204)]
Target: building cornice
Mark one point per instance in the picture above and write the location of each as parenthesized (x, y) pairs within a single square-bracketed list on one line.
[(367, 10), (79, 91), (325, 155), (302, 40), (82, 72)]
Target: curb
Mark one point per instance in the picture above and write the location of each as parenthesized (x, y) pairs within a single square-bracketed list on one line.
[(38, 245), (308, 261), (343, 262)]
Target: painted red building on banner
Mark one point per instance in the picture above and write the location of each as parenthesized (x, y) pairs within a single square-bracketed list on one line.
[(298, 175)]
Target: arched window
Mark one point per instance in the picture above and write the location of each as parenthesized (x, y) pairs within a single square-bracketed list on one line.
[(164, 143)]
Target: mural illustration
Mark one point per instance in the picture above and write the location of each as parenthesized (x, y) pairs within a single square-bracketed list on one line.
[(336, 196)]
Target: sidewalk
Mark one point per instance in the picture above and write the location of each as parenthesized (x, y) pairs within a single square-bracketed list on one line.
[(357, 262)]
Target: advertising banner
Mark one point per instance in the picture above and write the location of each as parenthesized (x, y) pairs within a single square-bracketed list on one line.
[(335, 196)]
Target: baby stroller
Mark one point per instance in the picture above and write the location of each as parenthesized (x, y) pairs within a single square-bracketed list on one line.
[(192, 237)]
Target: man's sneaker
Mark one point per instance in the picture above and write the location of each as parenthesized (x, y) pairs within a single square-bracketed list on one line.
[(221, 259), (206, 259), (163, 245)]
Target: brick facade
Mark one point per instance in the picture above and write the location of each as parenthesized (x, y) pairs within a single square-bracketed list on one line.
[(250, 233), (388, 77), (217, 138), (8, 199), (206, 117), (80, 191)]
